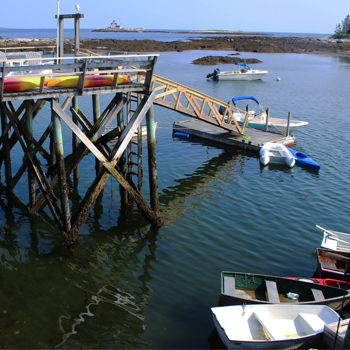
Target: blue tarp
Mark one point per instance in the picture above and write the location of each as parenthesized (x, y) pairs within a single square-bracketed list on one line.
[(244, 98), (241, 64)]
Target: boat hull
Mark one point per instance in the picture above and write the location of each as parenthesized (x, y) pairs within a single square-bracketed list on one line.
[(254, 289), (272, 326), (277, 128), (275, 153), (303, 159), (229, 76), (332, 264)]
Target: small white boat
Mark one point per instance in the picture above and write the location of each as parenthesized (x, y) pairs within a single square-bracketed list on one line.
[(244, 73), (276, 153), (334, 240), (271, 326), (257, 118)]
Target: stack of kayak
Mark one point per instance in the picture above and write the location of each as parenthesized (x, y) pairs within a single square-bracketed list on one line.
[(18, 83)]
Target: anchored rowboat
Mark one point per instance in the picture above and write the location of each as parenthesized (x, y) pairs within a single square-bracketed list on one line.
[(333, 264), (271, 326), (239, 288)]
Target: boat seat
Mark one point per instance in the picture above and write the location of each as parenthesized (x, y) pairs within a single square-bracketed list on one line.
[(272, 292), (315, 322), (270, 325), (318, 294), (230, 286)]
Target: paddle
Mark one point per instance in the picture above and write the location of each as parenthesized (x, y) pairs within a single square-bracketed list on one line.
[(333, 234)]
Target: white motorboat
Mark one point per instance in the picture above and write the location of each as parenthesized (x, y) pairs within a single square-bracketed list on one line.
[(143, 130), (334, 240), (273, 326), (244, 73), (257, 118), (276, 153)]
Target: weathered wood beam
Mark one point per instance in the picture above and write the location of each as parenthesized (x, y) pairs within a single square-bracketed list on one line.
[(81, 151), (6, 151)]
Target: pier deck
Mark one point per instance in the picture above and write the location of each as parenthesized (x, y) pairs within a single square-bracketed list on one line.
[(213, 133)]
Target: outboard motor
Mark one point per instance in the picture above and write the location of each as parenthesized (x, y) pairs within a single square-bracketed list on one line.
[(214, 75)]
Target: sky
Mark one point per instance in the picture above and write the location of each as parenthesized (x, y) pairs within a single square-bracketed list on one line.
[(283, 16)]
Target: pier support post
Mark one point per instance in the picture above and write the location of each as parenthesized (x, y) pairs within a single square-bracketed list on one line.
[(29, 140), (96, 114), (152, 161), (288, 124), (6, 151), (75, 140), (267, 119), (57, 132), (122, 160)]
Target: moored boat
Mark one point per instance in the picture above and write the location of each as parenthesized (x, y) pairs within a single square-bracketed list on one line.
[(334, 240), (271, 326), (333, 264), (244, 73), (276, 153), (240, 288), (303, 159), (257, 118)]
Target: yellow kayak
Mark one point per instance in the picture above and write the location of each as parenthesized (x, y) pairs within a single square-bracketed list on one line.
[(90, 81)]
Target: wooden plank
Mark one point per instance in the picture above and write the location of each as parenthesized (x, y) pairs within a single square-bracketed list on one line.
[(115, 79), (230, 285), (318, 294), (272, 291)]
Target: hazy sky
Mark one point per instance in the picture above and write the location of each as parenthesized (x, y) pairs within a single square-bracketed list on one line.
[(295, 16)]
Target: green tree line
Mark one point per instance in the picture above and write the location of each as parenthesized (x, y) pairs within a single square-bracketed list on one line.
[(342, 30)]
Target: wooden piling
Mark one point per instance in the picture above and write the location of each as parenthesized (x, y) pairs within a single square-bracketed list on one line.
[(122, 160), (267, 119), (75, 140), (96, 114), (29, 140), (57, 132), (6, 151), (288, 124), (152, 161)]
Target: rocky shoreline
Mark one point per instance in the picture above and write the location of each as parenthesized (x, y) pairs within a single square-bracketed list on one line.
[(261, 44)]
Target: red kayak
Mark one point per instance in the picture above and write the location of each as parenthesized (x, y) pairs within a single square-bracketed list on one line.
[(324, 281)]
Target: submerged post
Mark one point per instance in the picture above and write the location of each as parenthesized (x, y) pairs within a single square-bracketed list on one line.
[(122, 160), (152, 161), (6, 151), (75, 140), (30, 144), (57, 133), (288, 124), (96, 115)]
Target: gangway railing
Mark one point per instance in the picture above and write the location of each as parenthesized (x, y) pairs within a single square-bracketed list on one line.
[(195, 104)]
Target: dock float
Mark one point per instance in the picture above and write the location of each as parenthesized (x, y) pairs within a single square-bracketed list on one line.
[(253, 139)]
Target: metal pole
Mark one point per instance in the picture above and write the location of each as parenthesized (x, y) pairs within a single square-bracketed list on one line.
[(267, 119), (76, 35), (288, 124), (58, 26)]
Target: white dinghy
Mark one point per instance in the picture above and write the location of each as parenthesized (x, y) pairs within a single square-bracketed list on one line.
[(271, 326), (276, 153)]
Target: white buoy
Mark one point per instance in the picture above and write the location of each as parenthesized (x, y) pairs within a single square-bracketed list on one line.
[(278, 79)]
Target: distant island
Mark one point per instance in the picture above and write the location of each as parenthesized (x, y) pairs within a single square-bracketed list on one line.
[(117, 28)]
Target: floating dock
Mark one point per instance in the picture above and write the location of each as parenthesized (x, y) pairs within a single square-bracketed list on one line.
[(253, 139)]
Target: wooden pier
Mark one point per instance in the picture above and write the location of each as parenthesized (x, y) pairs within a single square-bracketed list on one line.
[(132, 100), (252, 139)]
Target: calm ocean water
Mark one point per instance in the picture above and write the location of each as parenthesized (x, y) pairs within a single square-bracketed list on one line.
[(128, 285)]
